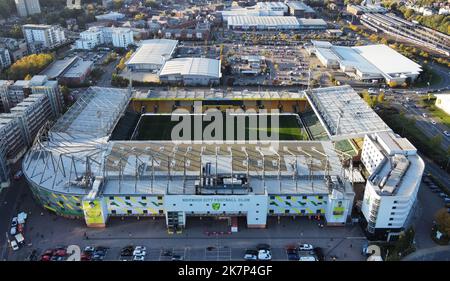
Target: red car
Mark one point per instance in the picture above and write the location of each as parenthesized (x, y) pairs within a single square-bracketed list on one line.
[(85, 257), (46, 257), (60, 253), (20, 228), (48, 252)]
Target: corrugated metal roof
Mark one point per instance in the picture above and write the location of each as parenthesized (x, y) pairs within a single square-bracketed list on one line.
[(265, 20), (152, 51), (192, 66)]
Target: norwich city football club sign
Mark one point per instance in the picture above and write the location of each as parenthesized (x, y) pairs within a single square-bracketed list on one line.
[(216, 206)]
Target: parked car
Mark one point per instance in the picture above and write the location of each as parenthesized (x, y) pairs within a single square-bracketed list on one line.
[(85, 256), (305, 247), (443, 195), (127, 251), (60, 252), (264, 255), (424, 115), (13, 230), (251, 254), (446, 133), (138, 258), (308, 258), (45, 258), (139, 251), (292, 254), (89, 249), (177, 258), (14, 245), (14, 221), (18, 175)]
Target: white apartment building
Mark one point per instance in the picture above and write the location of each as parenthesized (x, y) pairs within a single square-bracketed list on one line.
[(5, 58), (42, 37), (119, 37), (90, 38), (27, 7), (391, 189), (19, 127), (122, 37)]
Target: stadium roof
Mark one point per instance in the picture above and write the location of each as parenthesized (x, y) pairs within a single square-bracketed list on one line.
[(192, 66), (94, 114), (387, 60), (216, 94), (152, 51), (343, 113)]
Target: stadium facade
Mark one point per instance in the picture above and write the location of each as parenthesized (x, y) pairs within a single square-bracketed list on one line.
[(76, 169)]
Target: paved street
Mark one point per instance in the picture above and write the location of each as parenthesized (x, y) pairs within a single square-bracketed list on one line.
[(48, 230)]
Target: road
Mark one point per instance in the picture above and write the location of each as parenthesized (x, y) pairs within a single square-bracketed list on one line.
[(438, 253), (425, 124), (10, 199)]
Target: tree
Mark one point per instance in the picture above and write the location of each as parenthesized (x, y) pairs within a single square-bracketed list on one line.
[(117, 4), (29, 65), (380, 98), (442, 218)]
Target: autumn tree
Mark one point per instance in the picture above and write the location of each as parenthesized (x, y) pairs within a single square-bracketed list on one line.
[(29, 65), (442, 218)]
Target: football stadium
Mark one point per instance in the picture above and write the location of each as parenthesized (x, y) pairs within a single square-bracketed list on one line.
[(113, 154)]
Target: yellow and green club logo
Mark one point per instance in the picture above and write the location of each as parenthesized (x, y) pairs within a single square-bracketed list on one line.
[(216, 206)]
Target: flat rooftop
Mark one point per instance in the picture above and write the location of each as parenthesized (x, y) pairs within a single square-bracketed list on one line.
[(192, 66), (143, 167), (343, 113), (211, 94), (387, 60), (152, 51), (94, 114)]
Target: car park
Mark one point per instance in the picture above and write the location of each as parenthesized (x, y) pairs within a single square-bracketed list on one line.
[(305, 247)]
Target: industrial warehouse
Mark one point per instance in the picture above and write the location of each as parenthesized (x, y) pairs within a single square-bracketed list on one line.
[(77, 168), (274, 23), (368, 63)]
